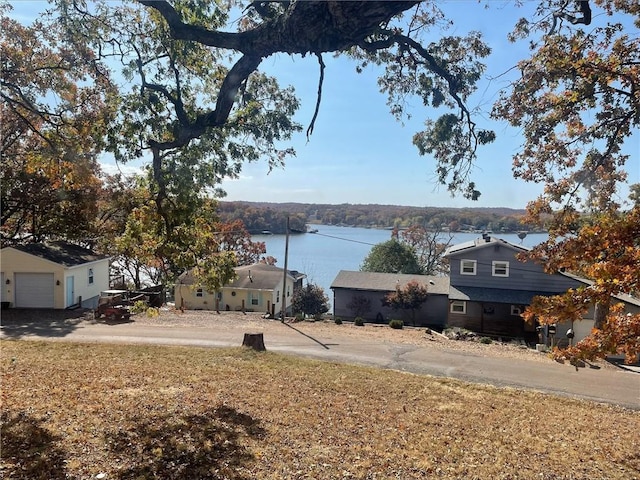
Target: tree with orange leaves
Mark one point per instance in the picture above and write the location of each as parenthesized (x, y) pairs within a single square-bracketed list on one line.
[(577, 102), (54, 108)]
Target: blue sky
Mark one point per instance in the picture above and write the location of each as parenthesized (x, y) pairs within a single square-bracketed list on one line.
[(360, 154)]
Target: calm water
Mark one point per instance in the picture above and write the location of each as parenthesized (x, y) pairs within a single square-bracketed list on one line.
[(322, 255)]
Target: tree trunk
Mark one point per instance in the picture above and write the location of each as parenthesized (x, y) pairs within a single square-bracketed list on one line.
[(600, 312), (255, 341)]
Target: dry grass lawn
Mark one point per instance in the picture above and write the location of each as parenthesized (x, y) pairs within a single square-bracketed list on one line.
[(84, 411)]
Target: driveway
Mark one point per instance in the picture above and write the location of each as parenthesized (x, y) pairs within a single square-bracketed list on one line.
[(406, 350)]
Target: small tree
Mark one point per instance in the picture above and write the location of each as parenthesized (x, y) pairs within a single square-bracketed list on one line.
[(310, 300), (359, 305), (411, 297), (429, 248), (392, 256)]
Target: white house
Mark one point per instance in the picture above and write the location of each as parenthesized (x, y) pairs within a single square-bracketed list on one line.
[(52, 275)]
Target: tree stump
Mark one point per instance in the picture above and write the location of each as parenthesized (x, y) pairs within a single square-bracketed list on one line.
[(254, 340)]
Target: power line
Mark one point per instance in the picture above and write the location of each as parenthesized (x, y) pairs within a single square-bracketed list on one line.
[(345, 239)]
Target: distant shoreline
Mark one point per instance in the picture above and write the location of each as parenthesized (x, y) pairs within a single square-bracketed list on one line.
[(263, 217)]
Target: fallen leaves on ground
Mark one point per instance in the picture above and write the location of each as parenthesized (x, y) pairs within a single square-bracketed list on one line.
[(84, 411)]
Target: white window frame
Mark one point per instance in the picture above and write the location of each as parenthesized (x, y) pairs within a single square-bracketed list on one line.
[(458, 303), (502, 265), (516, 310), (90, 276), (473, 263), (200, 292)]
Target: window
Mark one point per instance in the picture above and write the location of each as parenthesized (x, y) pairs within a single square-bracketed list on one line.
[(500, 268), (91, 276), (517, 309), (199, 292), (459, 306), (468, 267), (254, 301)]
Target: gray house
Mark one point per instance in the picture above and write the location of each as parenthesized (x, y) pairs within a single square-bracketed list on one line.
[(490, 287), (487, 290), (353, 291)]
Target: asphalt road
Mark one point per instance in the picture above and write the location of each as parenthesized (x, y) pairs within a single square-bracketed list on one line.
[(608, 385)]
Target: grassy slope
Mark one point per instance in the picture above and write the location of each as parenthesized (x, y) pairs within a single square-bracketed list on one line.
[(187, 413)]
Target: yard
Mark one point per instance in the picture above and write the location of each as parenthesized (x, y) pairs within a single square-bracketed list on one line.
[(85, 411)]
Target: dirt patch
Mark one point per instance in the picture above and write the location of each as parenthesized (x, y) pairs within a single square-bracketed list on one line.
[(19, 322), (329, 329)]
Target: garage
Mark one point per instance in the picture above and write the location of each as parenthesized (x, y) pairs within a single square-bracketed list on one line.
[(34, 290)]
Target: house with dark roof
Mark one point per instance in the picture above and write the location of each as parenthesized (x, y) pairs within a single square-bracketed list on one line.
[(362, 294), (490, 288), (486, 292), (52, 275), (256, 288)]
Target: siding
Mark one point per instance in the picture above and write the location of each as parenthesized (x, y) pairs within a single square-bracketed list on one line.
[(498, 322), (522, 275), (432, 314), (15, 261)]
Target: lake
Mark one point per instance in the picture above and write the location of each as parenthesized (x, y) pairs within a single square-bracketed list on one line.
[(323, 254)]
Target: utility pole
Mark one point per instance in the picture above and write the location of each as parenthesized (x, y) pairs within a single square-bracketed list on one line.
[(284, 281)]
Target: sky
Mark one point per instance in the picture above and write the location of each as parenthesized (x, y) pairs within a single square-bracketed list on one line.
[(358, 152)]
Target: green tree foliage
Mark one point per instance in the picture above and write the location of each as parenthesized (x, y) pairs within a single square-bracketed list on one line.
[(197, 110), (410, 298), (144, 250), (391, 256), (310, 300), (200, 105)]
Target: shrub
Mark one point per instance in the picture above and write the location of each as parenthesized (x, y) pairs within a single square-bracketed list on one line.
[(358, 322), (485, 340), (153, 312), (338, 321), (396, 324), (138, 307)]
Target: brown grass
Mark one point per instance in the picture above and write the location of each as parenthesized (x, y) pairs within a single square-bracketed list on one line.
[(139, 412)]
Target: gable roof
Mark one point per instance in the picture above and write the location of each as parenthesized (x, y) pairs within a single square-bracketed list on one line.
[(482, 242), (258, 276), (261, 276), (387, 282), (60, 252)]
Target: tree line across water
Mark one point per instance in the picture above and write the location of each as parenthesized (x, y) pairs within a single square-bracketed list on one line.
[(263, 216)]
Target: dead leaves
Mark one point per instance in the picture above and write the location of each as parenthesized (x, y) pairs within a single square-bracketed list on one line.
[(178, 413)]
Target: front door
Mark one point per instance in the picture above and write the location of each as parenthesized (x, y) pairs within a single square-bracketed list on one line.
[(70, 292)]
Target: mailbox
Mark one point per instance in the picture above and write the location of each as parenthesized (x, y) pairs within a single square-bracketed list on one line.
[(570, 333), (552, 329)]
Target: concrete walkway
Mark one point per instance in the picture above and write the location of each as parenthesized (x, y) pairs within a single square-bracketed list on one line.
[(608, 385)]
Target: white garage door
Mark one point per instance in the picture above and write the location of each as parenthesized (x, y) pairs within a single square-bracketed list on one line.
[(34, 290)]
